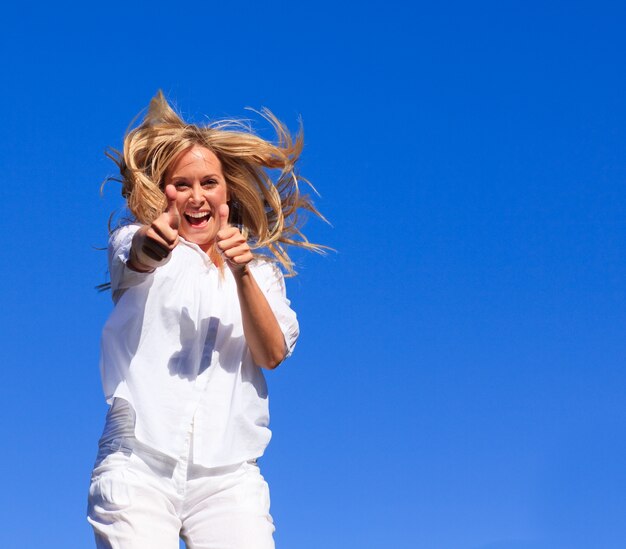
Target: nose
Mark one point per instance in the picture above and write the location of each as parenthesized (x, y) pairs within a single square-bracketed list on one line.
[(196, 194)]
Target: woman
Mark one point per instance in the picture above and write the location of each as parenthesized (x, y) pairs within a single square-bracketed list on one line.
[(197, 316)]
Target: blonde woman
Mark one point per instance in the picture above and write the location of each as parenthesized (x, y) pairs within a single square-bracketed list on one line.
[(198, 315)]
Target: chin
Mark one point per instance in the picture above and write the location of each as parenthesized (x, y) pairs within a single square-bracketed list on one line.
[(204, 242)]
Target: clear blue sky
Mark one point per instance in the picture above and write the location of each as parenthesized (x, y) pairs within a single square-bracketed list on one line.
[(459, 382)]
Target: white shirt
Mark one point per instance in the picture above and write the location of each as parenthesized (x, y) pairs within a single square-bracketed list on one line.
[(174, 348)]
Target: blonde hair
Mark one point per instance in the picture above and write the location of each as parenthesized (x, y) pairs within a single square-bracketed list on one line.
[(269, 207)]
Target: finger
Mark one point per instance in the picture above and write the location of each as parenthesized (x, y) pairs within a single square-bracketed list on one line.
[(223, 213), (241, 254), (155, 250), (238, 249), (171, 193), (228, 239), (172, 209), (164, 231), (239, 262)]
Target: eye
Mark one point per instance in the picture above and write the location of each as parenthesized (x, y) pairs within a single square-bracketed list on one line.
[(210, 183), (181, 185)]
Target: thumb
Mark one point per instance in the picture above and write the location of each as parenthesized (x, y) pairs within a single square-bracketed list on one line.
[(172, 209), (223, 212)]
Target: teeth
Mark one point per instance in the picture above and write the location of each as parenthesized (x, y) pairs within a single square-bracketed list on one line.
[(197, 215)]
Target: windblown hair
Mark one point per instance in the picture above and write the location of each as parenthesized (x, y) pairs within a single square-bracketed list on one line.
[(267, 208)]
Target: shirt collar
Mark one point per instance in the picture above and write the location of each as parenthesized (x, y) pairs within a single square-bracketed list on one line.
[(197, 249)]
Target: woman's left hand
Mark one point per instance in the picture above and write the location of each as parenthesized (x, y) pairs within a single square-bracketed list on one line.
[(232, 244), (260, 327)]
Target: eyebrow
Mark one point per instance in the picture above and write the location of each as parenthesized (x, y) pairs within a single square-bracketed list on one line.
[(212, 175)]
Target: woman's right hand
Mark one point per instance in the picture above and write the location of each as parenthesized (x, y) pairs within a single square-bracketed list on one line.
[(152, 244)]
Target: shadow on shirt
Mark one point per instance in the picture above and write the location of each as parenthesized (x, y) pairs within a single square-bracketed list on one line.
[(197, 344)]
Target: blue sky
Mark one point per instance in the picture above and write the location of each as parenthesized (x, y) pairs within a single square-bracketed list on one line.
[(459, 381)]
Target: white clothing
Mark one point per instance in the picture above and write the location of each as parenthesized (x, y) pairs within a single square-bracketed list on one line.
[(138, 501), (174, 349)]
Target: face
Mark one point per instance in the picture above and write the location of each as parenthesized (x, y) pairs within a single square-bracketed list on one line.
[(201, 190)]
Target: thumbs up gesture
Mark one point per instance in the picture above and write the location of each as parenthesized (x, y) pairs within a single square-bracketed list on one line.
[(152, 244), (232, 244)]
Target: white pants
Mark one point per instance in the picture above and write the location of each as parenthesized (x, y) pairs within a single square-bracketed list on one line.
[(138, 500)]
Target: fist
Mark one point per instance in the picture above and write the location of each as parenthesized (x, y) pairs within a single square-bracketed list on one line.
[(232, 244), (153, 243)]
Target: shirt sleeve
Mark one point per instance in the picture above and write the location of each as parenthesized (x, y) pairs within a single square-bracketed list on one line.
[(272, 283), (122, 277)]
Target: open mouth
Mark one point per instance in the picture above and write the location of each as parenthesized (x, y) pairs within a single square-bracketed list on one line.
[(197, 219)]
